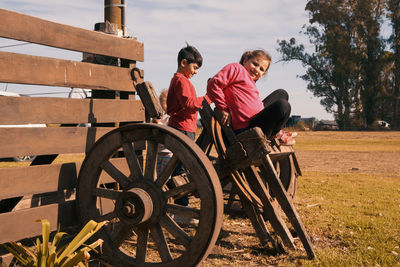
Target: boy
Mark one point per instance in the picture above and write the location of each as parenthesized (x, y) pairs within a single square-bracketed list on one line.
[(182, 102)]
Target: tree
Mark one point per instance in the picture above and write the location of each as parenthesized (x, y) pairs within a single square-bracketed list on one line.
[(343, 70), (367, 17), (393, 8)]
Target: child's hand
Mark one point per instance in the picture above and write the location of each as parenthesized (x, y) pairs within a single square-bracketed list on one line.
[(225, 118)]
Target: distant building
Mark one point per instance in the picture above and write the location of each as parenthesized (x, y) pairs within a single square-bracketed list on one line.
[(327, 125), (295, 119)]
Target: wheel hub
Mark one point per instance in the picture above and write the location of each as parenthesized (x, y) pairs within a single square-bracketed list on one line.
[(135, 206)]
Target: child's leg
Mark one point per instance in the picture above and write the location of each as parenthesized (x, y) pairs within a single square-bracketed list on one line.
[(184, 201), (274, 96), (162, 161), (275, 114)]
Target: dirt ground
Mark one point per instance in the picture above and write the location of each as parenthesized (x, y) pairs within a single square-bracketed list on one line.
[(336, 161), (369, 160)]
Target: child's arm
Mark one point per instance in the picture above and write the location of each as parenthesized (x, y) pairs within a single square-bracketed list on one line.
[(216, 87), (186, 99)]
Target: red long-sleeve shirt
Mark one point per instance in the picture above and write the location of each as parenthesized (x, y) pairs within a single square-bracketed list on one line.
[(183, 104), (234, 91)]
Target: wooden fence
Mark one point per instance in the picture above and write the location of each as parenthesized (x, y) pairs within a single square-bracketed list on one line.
[(49, 188)]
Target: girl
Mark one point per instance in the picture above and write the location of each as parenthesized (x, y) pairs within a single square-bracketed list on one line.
[(234, 92)]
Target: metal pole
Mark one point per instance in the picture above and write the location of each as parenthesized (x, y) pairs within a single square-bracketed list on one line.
[(114, 13)]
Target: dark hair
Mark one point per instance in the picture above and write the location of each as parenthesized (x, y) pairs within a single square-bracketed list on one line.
[(255, 53), (191, 54)]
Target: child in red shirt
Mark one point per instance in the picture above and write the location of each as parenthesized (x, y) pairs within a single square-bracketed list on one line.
[(182, 102)]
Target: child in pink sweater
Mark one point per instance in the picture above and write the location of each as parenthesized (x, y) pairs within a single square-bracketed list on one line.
[(234, 92)]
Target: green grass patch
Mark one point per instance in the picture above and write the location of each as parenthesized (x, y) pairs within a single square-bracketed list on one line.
[(353, 218)]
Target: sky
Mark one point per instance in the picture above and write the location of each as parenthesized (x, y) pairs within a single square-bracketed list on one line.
[(221, 30)]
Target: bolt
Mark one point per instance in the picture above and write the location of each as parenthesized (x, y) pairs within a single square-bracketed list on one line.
[(128, 208)]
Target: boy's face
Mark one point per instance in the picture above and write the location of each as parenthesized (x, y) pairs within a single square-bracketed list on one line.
[(188, 69)]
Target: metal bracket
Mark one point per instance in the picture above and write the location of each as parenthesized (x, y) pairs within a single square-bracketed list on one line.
[(115, 5)]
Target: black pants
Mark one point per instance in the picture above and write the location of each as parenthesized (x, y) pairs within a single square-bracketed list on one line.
[(275, 114)]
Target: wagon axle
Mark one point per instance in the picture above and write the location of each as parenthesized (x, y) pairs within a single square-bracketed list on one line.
[(135, 206)]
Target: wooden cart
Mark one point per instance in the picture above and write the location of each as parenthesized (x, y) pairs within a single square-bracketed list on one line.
[(262, 173), (117, 180)]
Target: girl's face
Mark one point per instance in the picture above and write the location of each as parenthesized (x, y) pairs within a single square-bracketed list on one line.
[(256, 67)]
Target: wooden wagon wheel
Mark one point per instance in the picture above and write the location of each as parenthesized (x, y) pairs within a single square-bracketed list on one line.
[(288, 174), (144, 229)]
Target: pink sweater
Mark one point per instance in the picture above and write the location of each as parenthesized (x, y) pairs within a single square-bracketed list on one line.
[(234, 91)]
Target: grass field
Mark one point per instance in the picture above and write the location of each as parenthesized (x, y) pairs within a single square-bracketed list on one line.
[(348, 198)]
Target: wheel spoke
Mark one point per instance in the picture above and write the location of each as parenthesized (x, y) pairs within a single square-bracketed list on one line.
[(106, 193), (159, 239), (168, 170), (183, 211), (132, 160), (180, 190), (116, 174), (151, 160), (107, 217), (141, 247), (176, 231), (122, 233)]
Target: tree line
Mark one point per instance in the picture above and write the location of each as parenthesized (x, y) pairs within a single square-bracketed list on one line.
[(353, 68)]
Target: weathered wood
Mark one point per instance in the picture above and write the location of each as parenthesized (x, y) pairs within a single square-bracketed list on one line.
[(21, 224), (31, 180), (5, 260), (285, 202), (246, 151), (35, 30), (150, 100), (228, 131), (270, 211), (27, 69), (151, 160), (50, 140), (276, 156), (201, 174), (256, 220), (24, 110)]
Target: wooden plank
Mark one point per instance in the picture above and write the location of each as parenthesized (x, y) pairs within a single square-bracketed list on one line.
[(51, 140), (27, 69), (5, 260), (270, 210), (21, 224), (286, 204), (25, 181), (150, 100), (35, 30), (24, 110), (37, 179)]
